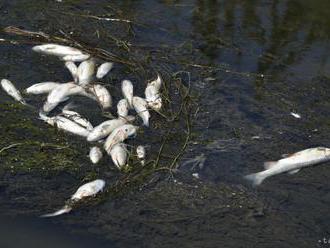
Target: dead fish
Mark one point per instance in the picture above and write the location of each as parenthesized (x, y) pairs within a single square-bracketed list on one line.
[(77, 118), (141, 154), (57, 50), (12, 91), (127, 90), (291, 163), (102, 95), (42, 88), (105, 128), (65, 124), (103, 69), (76, 58), (85, 72), (152, 94), (95, 154), (61, 93), (86, 190), (122, 107), (119, 135), (140, 105), (73, 69), (119, 155)]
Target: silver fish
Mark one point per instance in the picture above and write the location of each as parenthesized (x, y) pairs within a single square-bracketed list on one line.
[(76, 58), (73, 69), (86, 72), (119, 135), (86, 190), (140, 105), (57, 50), (42, 88), (65, 124), (127, 90), (119, 155), (61, 93), (291, 163), (102, 95), (12, 91), (103, 69), (122, 107), (141, 154), (152, 94), (105, 128), (77, 118), (95, 154)]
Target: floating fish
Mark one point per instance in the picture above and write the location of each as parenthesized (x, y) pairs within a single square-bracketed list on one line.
[(57, 50), (141, 154), (152, 94), (61, 93), (95, 154), (291, 163), (42, 88), (73, 69), (76, 58), (103, 69), (140, 105), (12, 91), (119, 135), (122, 107), (119, 155), (105, 128), (65, 124), (86, 190), (102, 95), (77, 118), (85, 72), (127, 89)]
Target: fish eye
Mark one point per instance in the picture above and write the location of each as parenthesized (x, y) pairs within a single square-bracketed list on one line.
[(126, 129)]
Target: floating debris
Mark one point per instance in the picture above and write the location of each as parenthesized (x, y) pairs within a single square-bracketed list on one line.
[(295, 115)]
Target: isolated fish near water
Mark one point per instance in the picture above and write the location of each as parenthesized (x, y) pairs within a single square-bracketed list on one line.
[(85, 72), (119, 135), (95, 154), (119, 155), (141, 153), (65, 124), (58, 50), (86, 190), (127, 90), (122, 107), (12, 91), (42, 88), (141, 107), (103, 69), (291, 163)]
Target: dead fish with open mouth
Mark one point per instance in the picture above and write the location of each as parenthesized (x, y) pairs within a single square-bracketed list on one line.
[(141, 107), (291, 163), (122, 108), (95, 154), (152, 94), (102, 95), (119, 135), (119, 155), (58, 50), (73, 69), (103, 69), (127, 90), (105, 128), (85, 72), (65, 124), (12, 91), (86, 190), (42, 88), (61, 93), (76, 117)]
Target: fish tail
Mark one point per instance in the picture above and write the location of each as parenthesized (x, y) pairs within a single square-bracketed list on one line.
[(255, 178), (64, 210)]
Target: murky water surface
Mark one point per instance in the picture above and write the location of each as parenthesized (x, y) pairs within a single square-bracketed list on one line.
[(250, 64)]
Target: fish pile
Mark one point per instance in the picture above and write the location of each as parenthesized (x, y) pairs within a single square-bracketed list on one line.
[(109, 135)]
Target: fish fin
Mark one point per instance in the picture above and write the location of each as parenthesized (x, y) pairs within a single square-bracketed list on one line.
[(255, 178), (286, 155), (269, 164), (293, 171), (64, 210)]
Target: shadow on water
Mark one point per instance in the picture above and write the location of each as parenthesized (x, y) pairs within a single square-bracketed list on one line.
[(251, 63)]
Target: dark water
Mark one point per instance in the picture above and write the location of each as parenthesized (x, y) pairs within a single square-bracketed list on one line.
[(251, 63)]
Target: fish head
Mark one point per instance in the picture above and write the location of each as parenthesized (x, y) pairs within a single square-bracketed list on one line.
[(130, 130)]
